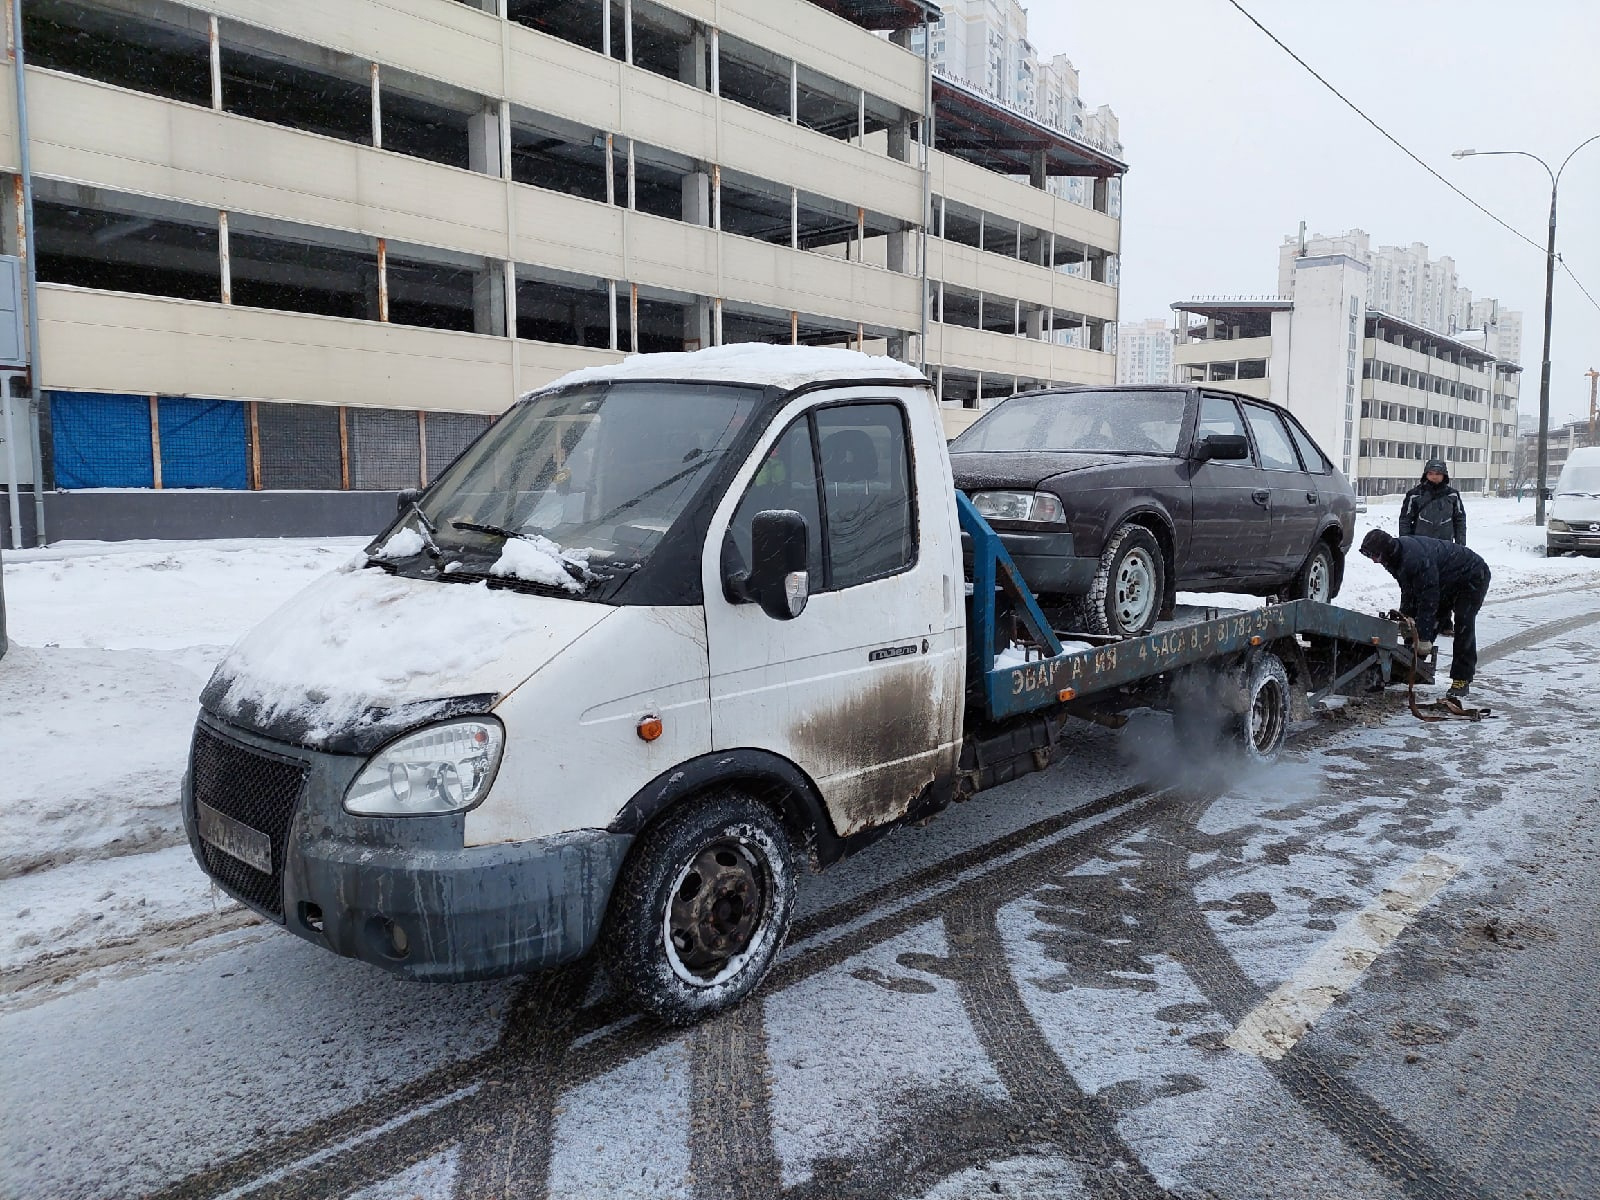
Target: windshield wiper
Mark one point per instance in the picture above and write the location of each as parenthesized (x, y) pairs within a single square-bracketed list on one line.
[(427, 530), (497, 530)]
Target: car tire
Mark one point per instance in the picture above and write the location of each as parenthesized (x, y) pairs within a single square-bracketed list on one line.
[(1318, 576), (701, 908), (1129, 587), (1241, 713)]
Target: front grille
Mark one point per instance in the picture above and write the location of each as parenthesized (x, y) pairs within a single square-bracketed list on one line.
[(260, 790)]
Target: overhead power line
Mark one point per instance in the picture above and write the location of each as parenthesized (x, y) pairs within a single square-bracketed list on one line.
[(1406, 150), (1398, 144)]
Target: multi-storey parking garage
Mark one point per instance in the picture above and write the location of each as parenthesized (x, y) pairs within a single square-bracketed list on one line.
[(285, 243)]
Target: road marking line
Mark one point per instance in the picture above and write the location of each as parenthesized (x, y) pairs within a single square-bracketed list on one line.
[(1273, 1027)]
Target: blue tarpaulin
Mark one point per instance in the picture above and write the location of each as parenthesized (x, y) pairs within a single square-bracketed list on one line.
[(100, 440), (202, 443)]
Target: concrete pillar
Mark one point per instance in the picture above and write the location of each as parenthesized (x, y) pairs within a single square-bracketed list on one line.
[(489, 299), (1097, 268), (697, 198), (1102, 195), (900, 143), (692, 61), (899, 246), (1036, 172), (1036, 324), (697, 323), (901, 38), (483, 141)]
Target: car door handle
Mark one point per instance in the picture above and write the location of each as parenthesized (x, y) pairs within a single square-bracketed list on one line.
[(1312, 497), (1261, 496)]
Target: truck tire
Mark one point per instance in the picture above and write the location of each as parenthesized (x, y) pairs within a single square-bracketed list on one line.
[(1258, 730), (1316, 579), (1239, 712), (1126, 596), (701, 908)]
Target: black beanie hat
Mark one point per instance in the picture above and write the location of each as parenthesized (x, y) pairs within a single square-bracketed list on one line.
[(1376, 544)]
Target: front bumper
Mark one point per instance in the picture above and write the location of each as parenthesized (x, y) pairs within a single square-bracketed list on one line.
[(1581, 541), (404, 894), (1047, 561)]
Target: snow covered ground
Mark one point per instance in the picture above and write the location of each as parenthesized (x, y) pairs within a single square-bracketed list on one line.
[(875, 1042), (112, 642)]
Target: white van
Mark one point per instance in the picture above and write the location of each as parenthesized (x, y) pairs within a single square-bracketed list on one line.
[(1573, 521)]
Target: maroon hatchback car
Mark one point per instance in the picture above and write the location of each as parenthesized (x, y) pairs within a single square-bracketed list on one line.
[(1113, 499)]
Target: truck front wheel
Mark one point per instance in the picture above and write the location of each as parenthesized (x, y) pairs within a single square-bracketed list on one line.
[(701, 908)]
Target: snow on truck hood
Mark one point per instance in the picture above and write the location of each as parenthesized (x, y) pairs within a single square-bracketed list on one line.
[(361, 654)]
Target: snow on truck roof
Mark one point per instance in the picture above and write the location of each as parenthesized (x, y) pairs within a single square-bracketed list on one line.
[(748, 362)]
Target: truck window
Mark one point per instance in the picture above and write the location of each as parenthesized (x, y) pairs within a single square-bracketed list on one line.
[(866, 487), (787, 478)]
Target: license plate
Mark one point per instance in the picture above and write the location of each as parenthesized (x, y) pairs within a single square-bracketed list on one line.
[(248, 845)]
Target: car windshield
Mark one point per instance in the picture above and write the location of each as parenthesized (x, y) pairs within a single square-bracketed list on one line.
[(571, 490), (1119, 422), (1580, 477)]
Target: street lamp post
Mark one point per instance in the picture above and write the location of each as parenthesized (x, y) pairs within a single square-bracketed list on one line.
[(1549, 298)]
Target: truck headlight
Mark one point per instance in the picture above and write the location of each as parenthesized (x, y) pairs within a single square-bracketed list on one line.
[(1020, 506), (444, 768), (1555, 526)]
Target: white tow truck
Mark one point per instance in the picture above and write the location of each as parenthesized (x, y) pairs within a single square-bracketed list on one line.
[(667, 632)]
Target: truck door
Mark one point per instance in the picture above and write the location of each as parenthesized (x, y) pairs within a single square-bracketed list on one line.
[(863, 690)]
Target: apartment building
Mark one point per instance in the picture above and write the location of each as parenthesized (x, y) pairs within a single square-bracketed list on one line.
[(1381, 393), (288, 244), (1411, 284), (1144, 351)]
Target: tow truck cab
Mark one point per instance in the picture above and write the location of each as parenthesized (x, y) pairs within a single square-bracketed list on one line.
[(666, 630)]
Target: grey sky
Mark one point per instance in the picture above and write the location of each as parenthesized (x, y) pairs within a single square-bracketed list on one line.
[(1231, 144)]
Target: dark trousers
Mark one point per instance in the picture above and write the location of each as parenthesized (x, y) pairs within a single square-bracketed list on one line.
[(1464, 604)]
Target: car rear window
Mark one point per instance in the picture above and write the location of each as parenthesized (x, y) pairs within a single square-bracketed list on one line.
[(1272, 443), (1118, 422), (1316, 462)]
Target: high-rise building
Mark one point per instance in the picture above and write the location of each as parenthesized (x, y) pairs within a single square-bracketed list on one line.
[(1144, 351), (1381, 391), (291, 249)]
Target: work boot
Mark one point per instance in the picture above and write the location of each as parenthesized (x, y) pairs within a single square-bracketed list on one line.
[(1445, 630), (1459, 689)]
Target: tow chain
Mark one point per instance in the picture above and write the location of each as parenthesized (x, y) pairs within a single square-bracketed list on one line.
[(1447, 708)]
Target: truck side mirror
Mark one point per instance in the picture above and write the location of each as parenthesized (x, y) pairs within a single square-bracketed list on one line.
[(779, 546), (1222, 445), (405, 498)]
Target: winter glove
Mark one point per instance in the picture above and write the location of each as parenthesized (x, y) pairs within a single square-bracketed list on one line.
[(1424, 649)]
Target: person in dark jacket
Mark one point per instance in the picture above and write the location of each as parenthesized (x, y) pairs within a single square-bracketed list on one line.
[(1433, 508), (1437, 577)]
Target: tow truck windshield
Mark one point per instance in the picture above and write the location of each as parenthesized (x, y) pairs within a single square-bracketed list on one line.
[(571, 490)]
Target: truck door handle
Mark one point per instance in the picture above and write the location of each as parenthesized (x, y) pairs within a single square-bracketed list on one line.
[(1261, 496)]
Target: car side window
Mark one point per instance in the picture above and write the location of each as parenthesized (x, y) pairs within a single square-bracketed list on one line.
[(1316, 462), (1218, 414), (1272, 442), (866, 484), (786, 479)]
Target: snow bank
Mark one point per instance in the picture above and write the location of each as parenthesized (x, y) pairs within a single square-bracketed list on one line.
[(749, 362)]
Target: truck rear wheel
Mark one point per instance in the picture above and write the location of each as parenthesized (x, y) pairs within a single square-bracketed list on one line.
[(1258, 730), (701, 908)]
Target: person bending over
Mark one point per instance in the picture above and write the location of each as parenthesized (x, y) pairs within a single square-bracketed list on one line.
[(1435, 578)]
